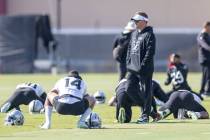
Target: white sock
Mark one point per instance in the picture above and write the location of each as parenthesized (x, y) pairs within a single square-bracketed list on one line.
[(85, 115), (5, 107), (48, 114)]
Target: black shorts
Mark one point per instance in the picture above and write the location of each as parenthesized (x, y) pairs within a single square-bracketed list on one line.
[(77, 108)]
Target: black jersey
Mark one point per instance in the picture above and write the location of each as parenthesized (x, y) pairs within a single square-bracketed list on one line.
[(120, 47), (177, 76)]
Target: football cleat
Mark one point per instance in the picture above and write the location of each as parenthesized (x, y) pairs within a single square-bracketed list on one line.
[(143, 119), (121, 117), (82, 125), (192, 115), (5, 107), (45, 126)]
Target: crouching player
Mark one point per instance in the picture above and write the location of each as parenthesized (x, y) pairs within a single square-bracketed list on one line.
[(124, 102), (69, 97), (24, 94), (186, 100)]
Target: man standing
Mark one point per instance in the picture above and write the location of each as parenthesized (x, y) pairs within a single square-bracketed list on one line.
[(140, 64), (204, 58), (120, 47)]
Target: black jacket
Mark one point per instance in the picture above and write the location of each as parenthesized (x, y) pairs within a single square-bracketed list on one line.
[(141, 52), (204, 48), (120, 47)]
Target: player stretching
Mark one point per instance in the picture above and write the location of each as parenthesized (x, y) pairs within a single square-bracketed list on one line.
[(69, 97), (186, 100), (177, 73), (24, 94)]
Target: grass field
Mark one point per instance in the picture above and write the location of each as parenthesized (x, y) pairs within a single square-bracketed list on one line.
[(64, 127)]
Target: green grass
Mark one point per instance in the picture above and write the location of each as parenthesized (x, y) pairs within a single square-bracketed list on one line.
[(64, 127)]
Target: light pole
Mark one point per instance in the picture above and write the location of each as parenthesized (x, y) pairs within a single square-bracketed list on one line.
[(58, 27), (58, 14)]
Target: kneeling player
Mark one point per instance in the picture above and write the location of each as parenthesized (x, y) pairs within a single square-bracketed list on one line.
[(24, 94), (157, 91), (184, 99), (69, 97), (124, 102)]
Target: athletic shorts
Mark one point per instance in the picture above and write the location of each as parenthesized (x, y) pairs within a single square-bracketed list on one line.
[(76, 108)]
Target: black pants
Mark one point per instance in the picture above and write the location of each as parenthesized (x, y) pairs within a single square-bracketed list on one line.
[(205, 82), (160, 94), (122, 70), (123, 101), (140, 88), (21, 96), (183, 100)]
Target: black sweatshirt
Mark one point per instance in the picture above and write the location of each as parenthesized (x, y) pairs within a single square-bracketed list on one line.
[(203, 40), (140, 56)]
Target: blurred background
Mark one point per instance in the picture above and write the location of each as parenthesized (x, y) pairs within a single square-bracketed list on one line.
[(58, 35)]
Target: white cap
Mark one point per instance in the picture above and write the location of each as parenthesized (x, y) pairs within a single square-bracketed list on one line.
[(138, 17), (129, 27)]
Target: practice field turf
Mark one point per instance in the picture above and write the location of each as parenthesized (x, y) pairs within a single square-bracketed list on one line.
[(64, 127)]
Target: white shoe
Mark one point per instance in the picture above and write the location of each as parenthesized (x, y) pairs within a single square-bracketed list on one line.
[(45, 126), (42, 111), (5, 107), (192, 115), (82, 124)]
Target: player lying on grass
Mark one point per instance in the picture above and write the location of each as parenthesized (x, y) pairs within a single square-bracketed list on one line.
[(69, 97), (124, 102), (186, 100), (24, 94)]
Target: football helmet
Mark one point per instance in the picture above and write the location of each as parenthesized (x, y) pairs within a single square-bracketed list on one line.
[(100, 97), (93, 121), (14, 117), (35, 106)]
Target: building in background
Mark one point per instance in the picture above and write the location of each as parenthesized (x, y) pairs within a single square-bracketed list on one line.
[(115, 13), (88, 28), (3, 7)]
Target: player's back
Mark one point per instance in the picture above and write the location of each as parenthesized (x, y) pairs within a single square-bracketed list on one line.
[(72, 86), (32, 86)]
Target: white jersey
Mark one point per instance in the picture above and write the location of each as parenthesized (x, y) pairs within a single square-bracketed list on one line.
[(35, 87), (70, 86)]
